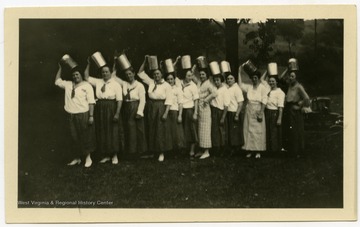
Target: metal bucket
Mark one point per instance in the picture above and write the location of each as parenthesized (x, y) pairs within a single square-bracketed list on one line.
[(169, 67), (153, 62), (249, 68), (201, 62), (123, 62), (293, 64), (98, 59), (186, 62), (214, 68), (272, 69), (67, 61), (225, 67)]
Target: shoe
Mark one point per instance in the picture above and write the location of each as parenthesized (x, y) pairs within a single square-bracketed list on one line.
[(206, 154), (198, 154), (74, 162), (88, 162), (248, 155), (258, 155), (106, 159), (161, 158), (114, 160)]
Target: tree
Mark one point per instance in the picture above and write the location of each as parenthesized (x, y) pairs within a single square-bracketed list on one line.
[(261, 40), (231, 30), (291, 30)]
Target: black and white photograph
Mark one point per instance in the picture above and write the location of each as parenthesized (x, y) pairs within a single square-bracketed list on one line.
[(183, 112)]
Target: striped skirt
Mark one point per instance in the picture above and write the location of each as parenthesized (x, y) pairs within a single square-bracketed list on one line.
[(293, 128), (204, 126), (273, 131), (177, 132), (189, 125), (159, 137), (82, 134), (134, 130), (109, 134), (218, 132), (235, 129)]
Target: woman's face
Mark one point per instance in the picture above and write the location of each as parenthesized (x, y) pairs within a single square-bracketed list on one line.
[(157, 75), (292, 78), (129, 75), (170, 79), (76, 76), (272, 82), (203, 76), (105, 73), (188, 76), (217, 82), (255, 79), (230, 80)]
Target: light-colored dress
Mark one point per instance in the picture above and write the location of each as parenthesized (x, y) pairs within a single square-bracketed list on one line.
[(254, 131)]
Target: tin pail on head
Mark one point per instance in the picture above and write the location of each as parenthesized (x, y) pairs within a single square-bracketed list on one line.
[(186, 62), (123, 62), (214, 68), (153, 62), (272, 69), (225, 67), (201, 62), (169, 67), (66, 60), (249, 68), (293, 64), (98, 59)]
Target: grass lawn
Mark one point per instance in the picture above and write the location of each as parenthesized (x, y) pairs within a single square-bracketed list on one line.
[(315, 181)]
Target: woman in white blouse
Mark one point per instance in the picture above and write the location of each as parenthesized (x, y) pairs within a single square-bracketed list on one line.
[(175, 114), (79, 104), (219, 108), (235, 126), (273, 113), (190, 109), (160, 100), (108, 124), (133, 113), (254, 122)]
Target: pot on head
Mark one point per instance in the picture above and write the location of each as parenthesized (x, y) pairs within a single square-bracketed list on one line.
[(272, 69), (153, 62), (169, 67), (67, 61), (123, 62), (186, 62), (249, 68), (201, 62), (98, 59), (225, 67), (214, 68), (293, 64)]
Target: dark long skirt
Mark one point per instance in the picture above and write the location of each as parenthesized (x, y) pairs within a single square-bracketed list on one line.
[(134, 130), (177, 132), (159, 137), (236, 136), (273, 131), (109, 134), (218, 132), (293, 129), (82, 134), (190, 127)]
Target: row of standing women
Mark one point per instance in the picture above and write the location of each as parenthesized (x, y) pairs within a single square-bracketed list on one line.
[(178, 114)]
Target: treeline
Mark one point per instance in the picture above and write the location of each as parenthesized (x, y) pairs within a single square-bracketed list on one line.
[(320, 54)]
